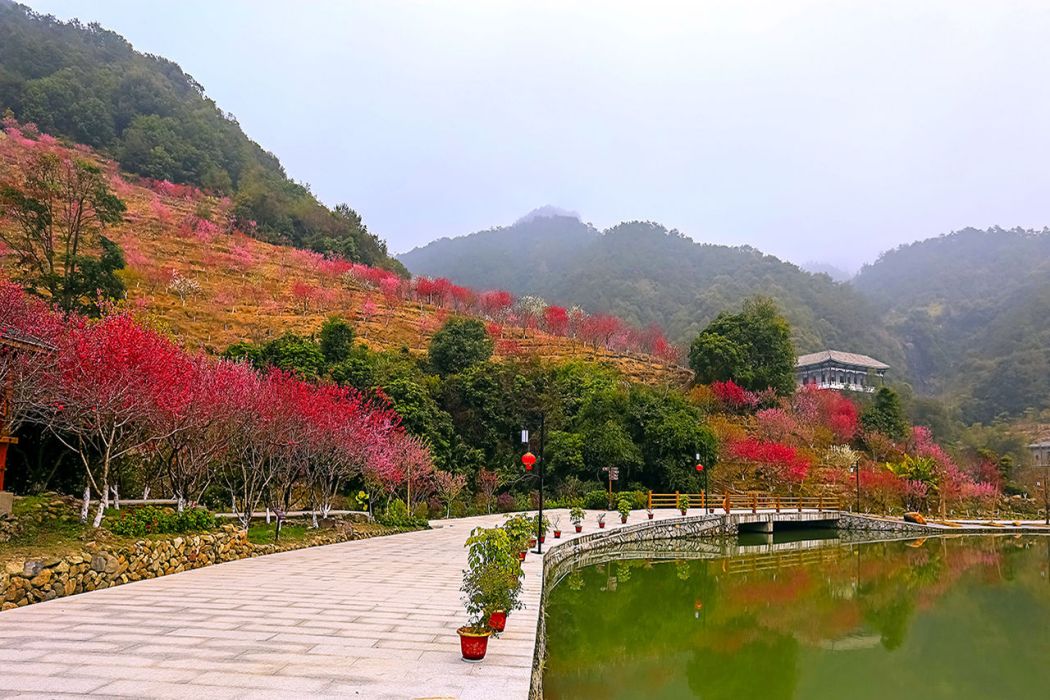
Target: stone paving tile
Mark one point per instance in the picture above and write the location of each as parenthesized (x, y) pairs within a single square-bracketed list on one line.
[(371, 619)]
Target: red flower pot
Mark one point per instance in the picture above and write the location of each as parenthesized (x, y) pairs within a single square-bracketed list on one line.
[(498, 621), (579, 528), (623, 519), (601, 525), (682, 510), (521, 556), (532, 543), (543, 539), (650, 516), (557, 534), (473, 643)]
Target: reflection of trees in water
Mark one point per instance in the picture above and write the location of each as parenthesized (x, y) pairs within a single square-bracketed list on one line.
[(737, 631), (764, 668)]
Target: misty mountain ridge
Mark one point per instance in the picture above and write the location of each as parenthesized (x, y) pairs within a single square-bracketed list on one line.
[(962, 315)]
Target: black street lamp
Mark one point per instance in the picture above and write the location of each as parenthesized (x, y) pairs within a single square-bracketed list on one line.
[(707, 494), (539, 472), (856, 471)]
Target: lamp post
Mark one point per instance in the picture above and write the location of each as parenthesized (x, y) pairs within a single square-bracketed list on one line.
[(701, 470), (856, 471), (529, 459)]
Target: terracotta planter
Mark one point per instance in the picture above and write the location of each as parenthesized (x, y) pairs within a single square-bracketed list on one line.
[(682, 510), (623, 519), (543, 539), (601, 525), (498, 621), (557, 534), (650, 516), (579, 528), (532, 543), (473, 643), (521, 556)]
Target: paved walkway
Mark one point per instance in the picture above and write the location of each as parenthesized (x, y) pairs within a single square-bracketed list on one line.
[(373, 618)]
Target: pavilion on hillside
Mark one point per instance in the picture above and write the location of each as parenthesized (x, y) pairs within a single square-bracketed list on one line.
[(834, 369)]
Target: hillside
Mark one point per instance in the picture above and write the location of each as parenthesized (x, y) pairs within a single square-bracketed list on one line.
[(971, 310), (644, 273), (193, 273), (89, 85)]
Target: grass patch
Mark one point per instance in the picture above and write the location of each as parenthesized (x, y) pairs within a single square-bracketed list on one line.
[(263, 533)]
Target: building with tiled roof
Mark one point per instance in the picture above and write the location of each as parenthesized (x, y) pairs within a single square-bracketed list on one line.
[(834, 369)]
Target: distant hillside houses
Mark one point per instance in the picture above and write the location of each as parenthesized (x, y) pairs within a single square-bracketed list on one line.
[(834, 369), (1041, 452)]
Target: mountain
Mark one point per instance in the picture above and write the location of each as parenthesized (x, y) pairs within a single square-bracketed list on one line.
[(89, 85), (823, 268), (971, 309), (645, 273)]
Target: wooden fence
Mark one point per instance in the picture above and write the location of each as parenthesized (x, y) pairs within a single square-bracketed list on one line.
[(744, 501)]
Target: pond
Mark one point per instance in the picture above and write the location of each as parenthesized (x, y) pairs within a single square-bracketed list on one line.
[(953, 617)]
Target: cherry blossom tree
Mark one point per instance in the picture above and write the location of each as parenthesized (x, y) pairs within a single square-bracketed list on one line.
[(448, 487), (108, 380)]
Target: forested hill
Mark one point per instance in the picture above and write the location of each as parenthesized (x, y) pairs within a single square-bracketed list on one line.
[(644, 273), (972, 309), (88, 84)]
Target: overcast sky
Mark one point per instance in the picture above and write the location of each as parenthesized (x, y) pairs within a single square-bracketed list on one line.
[(826, 130)]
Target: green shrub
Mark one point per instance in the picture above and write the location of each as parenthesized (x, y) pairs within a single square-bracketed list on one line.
[(149, 520), (396, 515), (596, 500)]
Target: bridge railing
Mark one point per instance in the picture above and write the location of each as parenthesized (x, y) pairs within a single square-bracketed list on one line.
[(754, 501)]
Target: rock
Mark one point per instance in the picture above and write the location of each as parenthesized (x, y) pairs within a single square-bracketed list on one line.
[(32, 568), (916, 518), (42, 579)]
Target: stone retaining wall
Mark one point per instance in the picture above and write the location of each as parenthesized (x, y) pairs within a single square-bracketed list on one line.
[(98, 566)]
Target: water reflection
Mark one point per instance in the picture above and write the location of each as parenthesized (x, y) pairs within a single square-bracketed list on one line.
[(963, 617)]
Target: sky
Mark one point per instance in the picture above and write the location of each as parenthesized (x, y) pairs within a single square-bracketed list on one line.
[(826, 130)]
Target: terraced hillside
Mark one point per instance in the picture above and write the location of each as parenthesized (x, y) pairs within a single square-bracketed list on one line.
[(191, 273)]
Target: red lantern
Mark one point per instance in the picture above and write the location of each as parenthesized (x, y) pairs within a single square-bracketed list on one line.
[(699, 467), (528, 459)]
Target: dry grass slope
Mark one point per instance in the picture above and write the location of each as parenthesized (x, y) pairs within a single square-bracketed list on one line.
[(191, 274)]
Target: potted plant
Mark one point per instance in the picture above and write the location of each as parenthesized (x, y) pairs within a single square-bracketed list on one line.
[(519, 529), (556, 524), (601, 519), (683, 502), (542, 527), (491, 584), (649, 512), (576, 515), (623, 506)]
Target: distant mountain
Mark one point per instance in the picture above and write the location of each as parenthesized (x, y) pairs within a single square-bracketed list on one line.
[(823, 268), (972, 310), (644, 273)]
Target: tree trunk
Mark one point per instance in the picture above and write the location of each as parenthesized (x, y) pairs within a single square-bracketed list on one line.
[(102, 505), (180, 503), (116, 496), (86, 505), (313, 516), (145, 493)]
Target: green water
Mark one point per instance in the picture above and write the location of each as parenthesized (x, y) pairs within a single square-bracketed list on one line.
[(958, 618)]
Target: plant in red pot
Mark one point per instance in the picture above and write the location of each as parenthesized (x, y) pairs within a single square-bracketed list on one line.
[(520, 530), (601, 519), (683, 503), (649, 512), (541, 526), (491, 589), (556, 525), (623, 506), (576, 515)]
